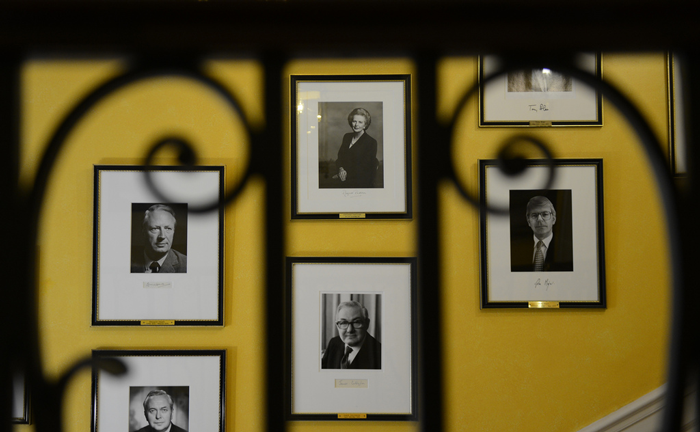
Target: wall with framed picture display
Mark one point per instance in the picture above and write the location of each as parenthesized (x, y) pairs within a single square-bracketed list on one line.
[(607, 357)]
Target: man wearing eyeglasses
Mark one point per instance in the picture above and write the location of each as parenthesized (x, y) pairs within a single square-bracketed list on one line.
[(544, 251), (353, 348)]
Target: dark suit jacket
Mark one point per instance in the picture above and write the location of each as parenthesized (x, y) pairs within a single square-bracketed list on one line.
[(369, 357), (360, 161), (559, 255), (173, 428), (175, 262)]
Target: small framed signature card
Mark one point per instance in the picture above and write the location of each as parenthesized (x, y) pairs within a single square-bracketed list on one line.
[(351, 146), (156, 263), (163, 390), (548, 251), (350, 349), (539, 97)]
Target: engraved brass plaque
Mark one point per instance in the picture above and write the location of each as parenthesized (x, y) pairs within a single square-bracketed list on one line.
[(543, 305), (352, 215), (352, 416), (540, 123), (157, 322)]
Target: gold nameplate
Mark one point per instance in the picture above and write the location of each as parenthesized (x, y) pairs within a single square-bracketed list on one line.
[(540, 123), (352, 215), (351, 383), (543, 305), (158, 322), (352, 416)]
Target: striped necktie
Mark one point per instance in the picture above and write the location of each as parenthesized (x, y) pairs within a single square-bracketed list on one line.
[(539, 256), (344, 361)]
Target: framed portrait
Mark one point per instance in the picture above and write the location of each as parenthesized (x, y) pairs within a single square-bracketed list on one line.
[(20, 399), (539, 97), (351, 327), (676, 127), (548, 251), (351, 147), (157, 263), (181, 390)]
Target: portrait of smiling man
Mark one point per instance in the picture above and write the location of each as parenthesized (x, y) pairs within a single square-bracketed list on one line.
[(353, 347), (545, 245), (158, 409), (157, 234)]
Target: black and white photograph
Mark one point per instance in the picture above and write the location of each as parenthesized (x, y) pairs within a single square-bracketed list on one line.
[(351, 338), (156, 262), (158, 238), (162, 391), (351, 147), (549, 246), (539, 80), (159, 408), (538, 97), (351, 331), (350, 140), (540, 230)]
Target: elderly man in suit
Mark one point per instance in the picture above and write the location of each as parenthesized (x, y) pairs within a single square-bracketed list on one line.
[(158, 409), (158, 256), (353, 348), (542, 251)]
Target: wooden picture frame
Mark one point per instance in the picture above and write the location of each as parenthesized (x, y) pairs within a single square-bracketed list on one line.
[(569, 221), (342, 173), (378, 380), (185, 285)]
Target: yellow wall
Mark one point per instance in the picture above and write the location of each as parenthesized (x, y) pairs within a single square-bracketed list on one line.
[(505, 369)]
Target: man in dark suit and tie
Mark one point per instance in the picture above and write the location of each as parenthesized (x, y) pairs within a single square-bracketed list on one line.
[(158, 256), (353, 348), (158, 408), (543, 251)]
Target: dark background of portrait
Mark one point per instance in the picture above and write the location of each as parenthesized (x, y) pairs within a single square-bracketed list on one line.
[(520, 230), (331, 128), (522, 81), (181, 406), (137, 242), (330, 301)]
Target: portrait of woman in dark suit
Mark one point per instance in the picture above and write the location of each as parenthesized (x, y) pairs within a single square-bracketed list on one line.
[(357, 157)]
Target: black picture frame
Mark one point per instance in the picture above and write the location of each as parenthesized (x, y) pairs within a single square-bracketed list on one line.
[(573, 273), (184, 375), (385, 384), (579, 105), (676, 127), (124, 291), (321, 106)]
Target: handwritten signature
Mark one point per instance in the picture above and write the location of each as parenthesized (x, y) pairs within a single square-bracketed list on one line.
[(352, 383), (540, 107), (547, 283), (353, 194)]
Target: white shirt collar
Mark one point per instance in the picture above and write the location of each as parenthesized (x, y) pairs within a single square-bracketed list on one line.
[(546, 240)]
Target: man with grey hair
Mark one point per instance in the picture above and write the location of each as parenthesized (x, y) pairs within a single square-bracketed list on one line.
[(543, 252), (353, 348), (158, 409), (158, 256)]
